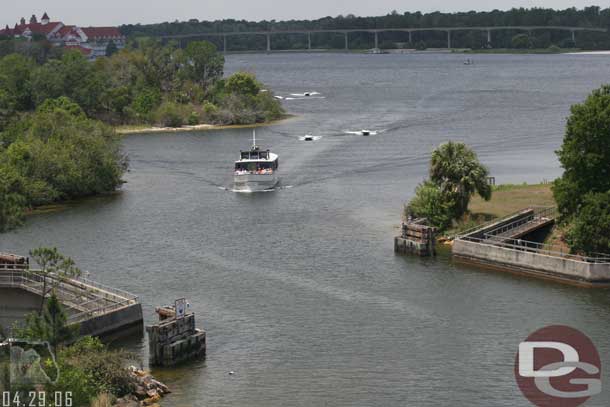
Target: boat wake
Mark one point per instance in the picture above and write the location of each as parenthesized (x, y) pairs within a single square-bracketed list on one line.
[(364, 132), (310, 138), (305, 94), (305, 97)]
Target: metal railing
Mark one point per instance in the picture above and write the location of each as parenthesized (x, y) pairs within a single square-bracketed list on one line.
[(497, 237), (486, 224), (86, 297), (539, 215)]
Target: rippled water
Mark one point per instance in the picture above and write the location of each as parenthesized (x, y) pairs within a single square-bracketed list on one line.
[(299, 290)]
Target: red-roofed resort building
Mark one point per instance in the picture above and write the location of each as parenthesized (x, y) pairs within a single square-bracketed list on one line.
[(91, 41)]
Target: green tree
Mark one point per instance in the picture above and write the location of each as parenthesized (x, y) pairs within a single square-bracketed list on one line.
[(585, 153), (203, 64), (456, 169), (111, 49), (12, 199), (170, 114), (48, 81), (52, 264), (521, 41), (243, 83), (50, 326), (145, 102), (589, 233), (15, 74), (431, 203)]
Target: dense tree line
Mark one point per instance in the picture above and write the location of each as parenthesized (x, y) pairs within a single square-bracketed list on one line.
[(148, 83), (55, 153), (587, 17)]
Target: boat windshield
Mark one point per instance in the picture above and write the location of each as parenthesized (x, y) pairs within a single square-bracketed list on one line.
[(255, 155)]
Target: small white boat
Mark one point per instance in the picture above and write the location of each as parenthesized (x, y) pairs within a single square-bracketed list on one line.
[(365, 132), (308, 137), (256, 169)]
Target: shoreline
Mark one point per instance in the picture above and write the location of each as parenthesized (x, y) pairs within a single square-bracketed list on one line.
[(412, 51), (129, 130)]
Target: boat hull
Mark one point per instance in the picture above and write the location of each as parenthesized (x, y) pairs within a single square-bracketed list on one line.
[(255, 182)]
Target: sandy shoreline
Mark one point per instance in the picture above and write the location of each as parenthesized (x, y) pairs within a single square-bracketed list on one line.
[(128, 130)]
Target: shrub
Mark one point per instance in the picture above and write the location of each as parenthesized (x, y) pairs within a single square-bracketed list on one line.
[(430, 202), (193, 119), (521, 41), (590, 230), (145, 102), (170, 114), (243, 83), (88, 369)]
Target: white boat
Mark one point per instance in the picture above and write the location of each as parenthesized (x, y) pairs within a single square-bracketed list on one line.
[(308, 137), (256, 169), (365, 132)]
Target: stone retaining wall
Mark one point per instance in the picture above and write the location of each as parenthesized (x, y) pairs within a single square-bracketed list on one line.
[(535, 264)]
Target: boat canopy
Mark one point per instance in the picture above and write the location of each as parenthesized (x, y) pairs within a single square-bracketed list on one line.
[(257, 155)]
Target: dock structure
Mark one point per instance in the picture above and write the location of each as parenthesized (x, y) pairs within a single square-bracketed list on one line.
[(98, 309), (175, 338), (416, 238), (503, 245)]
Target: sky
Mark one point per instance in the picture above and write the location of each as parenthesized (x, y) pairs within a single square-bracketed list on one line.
[(118, 12)]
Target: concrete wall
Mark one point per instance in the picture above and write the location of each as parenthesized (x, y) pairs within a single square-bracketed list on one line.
[(113, 322), (15, 304), (406, 246), (533, 263)]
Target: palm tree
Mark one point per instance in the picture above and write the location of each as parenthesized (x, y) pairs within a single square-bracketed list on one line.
[(456, 169)]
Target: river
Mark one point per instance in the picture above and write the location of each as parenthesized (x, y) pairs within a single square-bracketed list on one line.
[(299, 289)]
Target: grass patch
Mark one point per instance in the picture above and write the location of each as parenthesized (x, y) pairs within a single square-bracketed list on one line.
[(506, 199)]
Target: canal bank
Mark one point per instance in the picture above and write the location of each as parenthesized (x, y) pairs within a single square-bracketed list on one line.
[(344, 322), (508, 245)]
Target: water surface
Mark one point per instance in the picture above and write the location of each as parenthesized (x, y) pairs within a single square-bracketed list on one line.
[(299, 290)]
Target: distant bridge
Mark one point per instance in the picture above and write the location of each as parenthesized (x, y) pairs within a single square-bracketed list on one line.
[(376, 31)]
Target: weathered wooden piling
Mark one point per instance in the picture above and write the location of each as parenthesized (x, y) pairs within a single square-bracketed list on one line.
[(175, 338), (416, 238)]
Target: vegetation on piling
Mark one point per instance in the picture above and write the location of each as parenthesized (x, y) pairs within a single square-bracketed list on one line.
[(456, 175)]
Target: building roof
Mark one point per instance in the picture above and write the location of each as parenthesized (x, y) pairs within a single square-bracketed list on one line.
[(36, 28), (102, 32)]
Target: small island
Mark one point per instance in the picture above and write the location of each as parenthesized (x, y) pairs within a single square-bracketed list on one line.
[(61, 114)]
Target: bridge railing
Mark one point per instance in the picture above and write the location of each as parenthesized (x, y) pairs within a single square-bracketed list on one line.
[(538, 214), (86, 297)]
